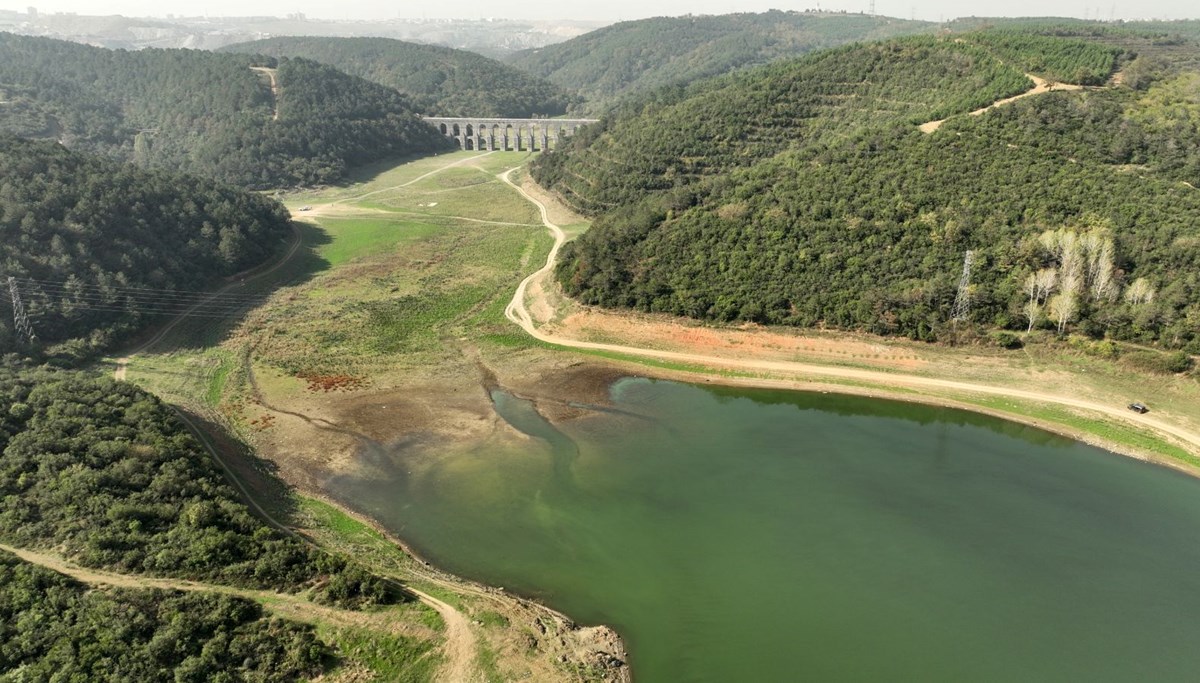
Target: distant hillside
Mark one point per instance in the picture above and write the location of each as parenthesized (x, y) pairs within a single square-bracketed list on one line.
[(95, 230), (1072, 202), (204, 113), (438, 80), (636, 56)]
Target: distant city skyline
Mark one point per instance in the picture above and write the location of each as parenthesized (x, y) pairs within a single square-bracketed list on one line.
[(614, 10)]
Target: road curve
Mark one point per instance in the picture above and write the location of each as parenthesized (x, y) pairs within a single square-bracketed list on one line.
[(517, 313)]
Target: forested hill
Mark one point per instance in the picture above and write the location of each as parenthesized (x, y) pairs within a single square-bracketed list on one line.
[(204, 113), (636, 56), (107, 476), (675, 136), (1075, 205), (93, 231), (437, 80)]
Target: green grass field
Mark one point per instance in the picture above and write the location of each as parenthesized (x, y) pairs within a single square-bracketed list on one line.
[(394, 263)]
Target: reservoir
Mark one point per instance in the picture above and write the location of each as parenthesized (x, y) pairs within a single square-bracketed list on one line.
[(745, 535)]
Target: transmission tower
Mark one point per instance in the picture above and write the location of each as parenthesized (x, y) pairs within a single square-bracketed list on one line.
[(872, 8), (20, 317), (962, 302)]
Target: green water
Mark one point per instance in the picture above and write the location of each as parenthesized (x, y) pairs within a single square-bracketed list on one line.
[(772, 536)]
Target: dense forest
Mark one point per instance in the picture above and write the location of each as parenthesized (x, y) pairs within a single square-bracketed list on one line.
[(107, 475), (674, 136), (1074, 204), (438, 80), (84, 235), (204, 113), (53, 628), (636, 56)]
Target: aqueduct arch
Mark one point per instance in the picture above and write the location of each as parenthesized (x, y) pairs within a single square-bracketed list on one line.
[(494, 134)]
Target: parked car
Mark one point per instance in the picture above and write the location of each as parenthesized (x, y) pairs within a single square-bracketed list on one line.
[(306, 208), (1139, 408)]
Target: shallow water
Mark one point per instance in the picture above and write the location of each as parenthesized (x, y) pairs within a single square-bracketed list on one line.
[(734, 535)]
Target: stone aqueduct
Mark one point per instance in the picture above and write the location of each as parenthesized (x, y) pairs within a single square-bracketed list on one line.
[(518, 135)]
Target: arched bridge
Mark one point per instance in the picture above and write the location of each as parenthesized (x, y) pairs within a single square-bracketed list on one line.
[(516, 135)]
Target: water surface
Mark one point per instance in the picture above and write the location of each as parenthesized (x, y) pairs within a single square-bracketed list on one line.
[(734, 535)]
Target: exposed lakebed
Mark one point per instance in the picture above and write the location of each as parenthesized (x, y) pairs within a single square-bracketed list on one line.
[(771, 536)]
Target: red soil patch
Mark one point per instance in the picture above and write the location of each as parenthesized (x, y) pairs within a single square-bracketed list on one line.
[(324, 384)]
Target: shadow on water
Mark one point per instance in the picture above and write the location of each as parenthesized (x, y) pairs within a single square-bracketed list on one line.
[(847, 405)]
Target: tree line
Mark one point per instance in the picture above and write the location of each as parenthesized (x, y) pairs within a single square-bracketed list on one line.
[(53, 628), (638, 56), (676, 136)]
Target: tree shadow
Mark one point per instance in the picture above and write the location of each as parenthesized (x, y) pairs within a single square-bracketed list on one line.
[(249, 290)]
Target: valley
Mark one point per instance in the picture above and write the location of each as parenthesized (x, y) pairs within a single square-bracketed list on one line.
[(352, 424), (823, 338)]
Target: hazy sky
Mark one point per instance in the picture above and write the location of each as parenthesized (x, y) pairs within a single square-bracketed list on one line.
[(612, 9)]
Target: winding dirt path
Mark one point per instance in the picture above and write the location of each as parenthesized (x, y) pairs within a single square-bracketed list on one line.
[(286, 604), (274, 76), (460, 648), (517, 312), (1040, 85)]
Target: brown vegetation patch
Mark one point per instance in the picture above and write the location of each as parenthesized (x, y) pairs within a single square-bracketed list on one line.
[(324, 384), (263, 422)]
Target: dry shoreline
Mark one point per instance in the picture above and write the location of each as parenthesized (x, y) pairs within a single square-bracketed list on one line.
[(518, 313)]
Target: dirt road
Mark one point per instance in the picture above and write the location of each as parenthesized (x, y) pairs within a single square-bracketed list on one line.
[(519, 314), (274, 76), (1040, 85)]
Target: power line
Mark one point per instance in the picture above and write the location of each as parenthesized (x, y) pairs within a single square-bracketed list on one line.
[(962, 301), (20, 319), (131, 300), (134, 291)]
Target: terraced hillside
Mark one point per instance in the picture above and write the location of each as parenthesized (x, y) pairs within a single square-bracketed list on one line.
[(675, 136), (437, 80), (1072, 203)]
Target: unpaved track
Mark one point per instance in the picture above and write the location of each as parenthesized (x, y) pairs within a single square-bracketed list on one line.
[(1040, 85), (460, 648), (519, 314), (274, 76), (288, 604)]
